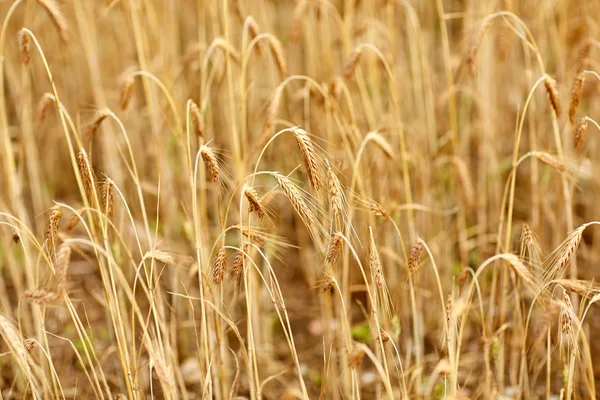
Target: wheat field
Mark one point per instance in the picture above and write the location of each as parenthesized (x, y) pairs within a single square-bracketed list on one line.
[(311, 199)]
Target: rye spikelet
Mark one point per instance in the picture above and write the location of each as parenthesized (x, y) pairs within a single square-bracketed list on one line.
[(197, 120), (335, 191), (23, 41), (125, 89), (335, 249), (552, 93), (382, 143), (312, 163), (326, 284), (239, 262), (576, 93), (51, 230), (415, 257), (58, 18), (374, 207), (567, 318), (63, 258), (300, 201), (254, 203), (352, 63), (556, 263), (73, 221), (219, 266), (299, 12), (580, 133), (86, 172), (375, 262), (41, 295), (43, 106), (473, 51), (100, 116), (108, 198), (277, 53), (210, 162), (254, 30)]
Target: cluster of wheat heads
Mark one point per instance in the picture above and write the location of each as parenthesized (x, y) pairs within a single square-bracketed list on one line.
[(312, 199)]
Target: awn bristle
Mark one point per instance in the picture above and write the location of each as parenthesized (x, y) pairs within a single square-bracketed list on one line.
[(87, 174), (100, 116), (43, 106), (375, 262), (415, 257), (219, 266), (58, 18), (254, 203), (576, 93), (51, 230), (125, 90), (210, 162), (335, 248), (23, 40), (352, 63), (277, 52), (313, 166), (580, 133), (552, 93), (336, 192), (197, 120), (239, 262), (475, 46)]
